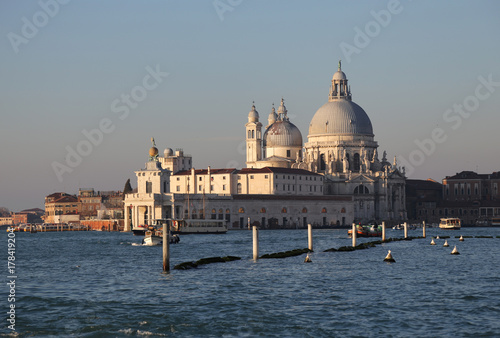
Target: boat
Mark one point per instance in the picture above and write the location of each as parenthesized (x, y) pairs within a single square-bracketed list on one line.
[(398, 227), (140, 230), (366, 231), (450, 223), (154, 236), (198, 226)]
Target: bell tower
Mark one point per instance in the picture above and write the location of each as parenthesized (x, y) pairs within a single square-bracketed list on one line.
[(253, 138)]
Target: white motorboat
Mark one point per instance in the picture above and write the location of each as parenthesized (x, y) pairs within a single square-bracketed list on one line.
[(450, 223), (154, 236)]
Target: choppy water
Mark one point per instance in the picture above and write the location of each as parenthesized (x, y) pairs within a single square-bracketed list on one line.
[(92, 284)]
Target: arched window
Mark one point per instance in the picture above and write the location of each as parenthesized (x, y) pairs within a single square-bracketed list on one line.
[(361, 190), (228, 211), (323, 211), (214, 211), (221, 211), (239, 188), (342, 211), (241, 210), (356, 163), (283, 210), (253, 133), (322, 164), (304, 210), (263, 210), (249, 134)]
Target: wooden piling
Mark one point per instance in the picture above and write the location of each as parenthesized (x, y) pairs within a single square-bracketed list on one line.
[(310, 237), (406, 229), (423, 229), (255, 243), (354, 234), (383, 231), (166, 247)]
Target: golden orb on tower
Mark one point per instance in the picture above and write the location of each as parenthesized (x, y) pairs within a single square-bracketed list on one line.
[(153, 151)]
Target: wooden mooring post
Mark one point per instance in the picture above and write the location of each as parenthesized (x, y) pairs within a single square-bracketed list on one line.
[(354, 234), (423, 229), (166, 247), (383, 231), (310, 236), (406, 229), (255, 243)]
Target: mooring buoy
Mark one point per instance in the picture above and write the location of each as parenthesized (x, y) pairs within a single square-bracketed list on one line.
[(461, 239), (432, 242), (308, 259), (389, 258), (437, 237), (455, 251), (446, 243)]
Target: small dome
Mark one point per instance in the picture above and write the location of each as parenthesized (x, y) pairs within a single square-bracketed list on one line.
[(168, 152), (284, 134), (253, 115), (339, 75), (272, 116), (153, 151)]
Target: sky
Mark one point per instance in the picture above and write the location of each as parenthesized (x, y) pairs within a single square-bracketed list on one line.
[(84, 85)]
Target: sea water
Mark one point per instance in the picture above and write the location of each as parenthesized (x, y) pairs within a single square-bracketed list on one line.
[(100, 284)]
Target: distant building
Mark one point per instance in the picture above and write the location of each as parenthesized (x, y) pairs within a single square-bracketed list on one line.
[(100, 204), (6, 220), (60, 204), (424, 198), (475, 198)]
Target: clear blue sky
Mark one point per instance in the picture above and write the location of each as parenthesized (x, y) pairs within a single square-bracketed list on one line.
[(69, 74)]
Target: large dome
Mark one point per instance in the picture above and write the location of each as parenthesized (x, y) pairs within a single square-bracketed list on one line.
[(284, 134), (340, 117)]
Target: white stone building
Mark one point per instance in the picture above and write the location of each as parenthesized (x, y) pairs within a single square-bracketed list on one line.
[(335, 178)]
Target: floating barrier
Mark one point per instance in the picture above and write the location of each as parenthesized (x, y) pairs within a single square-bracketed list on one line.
[(461, 239), (432, 242), (389, 258), (446, 244), (455, 251), (285, 254), (308, 259), (203, 261)]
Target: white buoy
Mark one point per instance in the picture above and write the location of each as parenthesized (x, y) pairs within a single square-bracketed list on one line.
[(389, 258), (461, 239), (446, 243), (432, 242), (437, 237), (308, 259), (455, 251)]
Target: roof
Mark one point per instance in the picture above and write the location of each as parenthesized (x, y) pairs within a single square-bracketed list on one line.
[(340, 117), (277, 170), (66, 199), (424, 184), (293, 197), (205, 171)]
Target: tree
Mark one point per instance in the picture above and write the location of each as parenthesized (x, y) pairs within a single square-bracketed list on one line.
[(4, 212), (127, 189)]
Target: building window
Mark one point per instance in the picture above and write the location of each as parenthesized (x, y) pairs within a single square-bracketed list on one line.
[(223, 187), (149, 187), (265, 176), (178, 178), (178, 188), (304, 210), (283, 210), (199, 187), (263, 210), (164, 186), (211, 188), (288, 153), (223, 177), (241, 210), (323, 211), (200, 179), (251, 177), (239, 188)]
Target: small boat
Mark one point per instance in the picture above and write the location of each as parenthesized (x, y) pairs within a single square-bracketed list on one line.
[(398, 227), (154, 236), (450, 223), (140, 230), (366, 231), (198, 226)]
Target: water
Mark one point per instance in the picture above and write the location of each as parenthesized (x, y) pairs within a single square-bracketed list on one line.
[(93, 284)]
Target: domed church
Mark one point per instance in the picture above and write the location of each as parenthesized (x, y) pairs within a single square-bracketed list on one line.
[(340, 146)]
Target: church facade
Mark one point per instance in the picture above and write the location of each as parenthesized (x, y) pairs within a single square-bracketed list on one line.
[(335, 178)]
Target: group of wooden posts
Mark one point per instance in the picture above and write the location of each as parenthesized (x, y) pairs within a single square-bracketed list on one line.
[(255, 233)]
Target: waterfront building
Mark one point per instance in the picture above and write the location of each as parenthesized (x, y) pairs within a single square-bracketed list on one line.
[(335, 178)]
